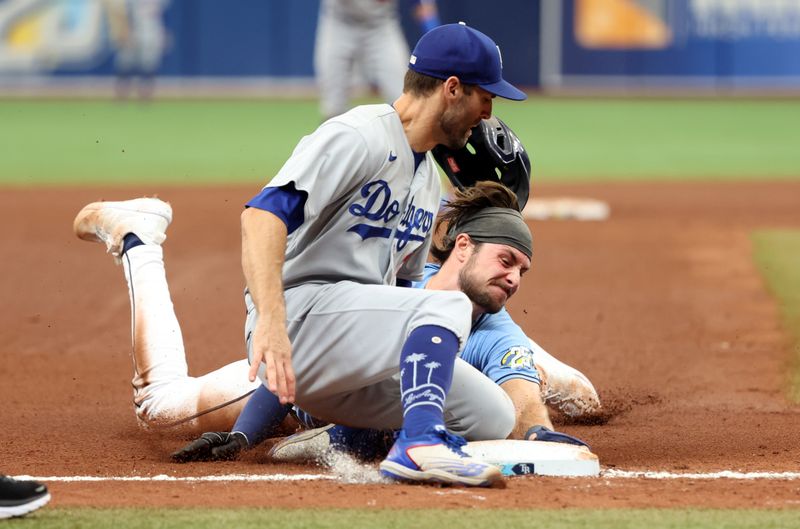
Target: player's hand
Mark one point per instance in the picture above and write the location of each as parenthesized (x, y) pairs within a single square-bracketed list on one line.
[(543, 433), (212, 446), (271, 346)]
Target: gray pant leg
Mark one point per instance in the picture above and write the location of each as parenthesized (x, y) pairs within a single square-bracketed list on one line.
[(348, 336), (386, 56), (335, 51), (476, 408)]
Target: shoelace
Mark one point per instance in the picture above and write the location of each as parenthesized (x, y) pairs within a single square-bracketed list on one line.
[(453, 442)]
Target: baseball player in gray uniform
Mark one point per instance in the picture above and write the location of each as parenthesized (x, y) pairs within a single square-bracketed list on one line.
[(365, 36), (166, 396), (478, 257), (496, 346), (348, 216)]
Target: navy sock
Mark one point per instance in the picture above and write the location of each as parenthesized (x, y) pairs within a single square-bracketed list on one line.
[(131, 240), (262, 414), (307, 420), (365, 444), (426, 371)]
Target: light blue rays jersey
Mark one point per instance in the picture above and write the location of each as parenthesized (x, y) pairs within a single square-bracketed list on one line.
[(369, 213), (496, 345)]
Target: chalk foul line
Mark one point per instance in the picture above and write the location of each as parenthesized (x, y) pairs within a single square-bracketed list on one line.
[(723, 474), (192, 479), (607, 474)]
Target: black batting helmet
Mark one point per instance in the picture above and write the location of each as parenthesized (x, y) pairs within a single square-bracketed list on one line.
[(493, 152)]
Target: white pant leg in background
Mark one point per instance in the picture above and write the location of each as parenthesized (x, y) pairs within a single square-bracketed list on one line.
[(385, 57), (335, 51), (164, 393)]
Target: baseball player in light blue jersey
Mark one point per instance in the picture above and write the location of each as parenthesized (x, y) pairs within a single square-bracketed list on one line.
[(496, 346), (482, 255), (348, 216)]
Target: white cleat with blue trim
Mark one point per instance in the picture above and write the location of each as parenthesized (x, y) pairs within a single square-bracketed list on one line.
[(436, 457)]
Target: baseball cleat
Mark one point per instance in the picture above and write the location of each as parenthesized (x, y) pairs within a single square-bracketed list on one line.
[(18, 498), (110, 222), (308, 445), (563, 387), (436, 457)]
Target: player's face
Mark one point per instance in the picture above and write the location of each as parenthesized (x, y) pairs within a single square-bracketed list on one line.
[(458, 120), (492, 275)]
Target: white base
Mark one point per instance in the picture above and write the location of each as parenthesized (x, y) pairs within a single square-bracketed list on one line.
[(539, 458), (566, 208)]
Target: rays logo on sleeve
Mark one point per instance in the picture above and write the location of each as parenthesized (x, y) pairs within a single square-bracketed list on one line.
[(381, 209), (518, 358)]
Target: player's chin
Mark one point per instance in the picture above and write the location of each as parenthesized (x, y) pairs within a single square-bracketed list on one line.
[(494, 303), (457, 142)]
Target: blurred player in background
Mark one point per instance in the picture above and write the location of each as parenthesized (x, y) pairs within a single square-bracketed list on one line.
[(139, 36), (363, 36)]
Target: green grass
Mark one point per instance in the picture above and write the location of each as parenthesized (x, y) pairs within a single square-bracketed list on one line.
[(590, 140), (777, 253), (418, 519), (571, 140), (53, 142)]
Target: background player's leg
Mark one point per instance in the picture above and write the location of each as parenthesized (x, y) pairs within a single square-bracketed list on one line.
[(335, 50), (386, 55)]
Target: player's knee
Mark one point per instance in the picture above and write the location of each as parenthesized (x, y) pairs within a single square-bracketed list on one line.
[(496, 421), (454, 310)]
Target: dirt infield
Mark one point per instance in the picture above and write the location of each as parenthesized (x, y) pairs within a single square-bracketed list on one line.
[(661, 306)]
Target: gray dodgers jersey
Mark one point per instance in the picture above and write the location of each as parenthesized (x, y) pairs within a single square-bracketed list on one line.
[(366, 218)]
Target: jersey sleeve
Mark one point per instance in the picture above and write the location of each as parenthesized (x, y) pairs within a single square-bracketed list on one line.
[(500, 350), (326, 165), (285, 202)]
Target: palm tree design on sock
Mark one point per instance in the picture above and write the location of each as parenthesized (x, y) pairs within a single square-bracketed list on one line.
[(429, 392), (415, 358), (431, 366)]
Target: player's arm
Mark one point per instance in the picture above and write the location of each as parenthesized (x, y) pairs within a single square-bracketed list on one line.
[(266, 224), (264, 238), (426, 14), (532, 420), (529, 408)]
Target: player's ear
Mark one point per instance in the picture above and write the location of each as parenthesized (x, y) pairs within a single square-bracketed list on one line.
[(451, 86), (463, 247)]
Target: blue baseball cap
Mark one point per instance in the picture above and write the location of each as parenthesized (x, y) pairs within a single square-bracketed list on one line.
[(459, 50)]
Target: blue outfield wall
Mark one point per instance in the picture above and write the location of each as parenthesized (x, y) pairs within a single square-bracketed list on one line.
[(551, 43), (241, 38), (275, 38), (714, 44)]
